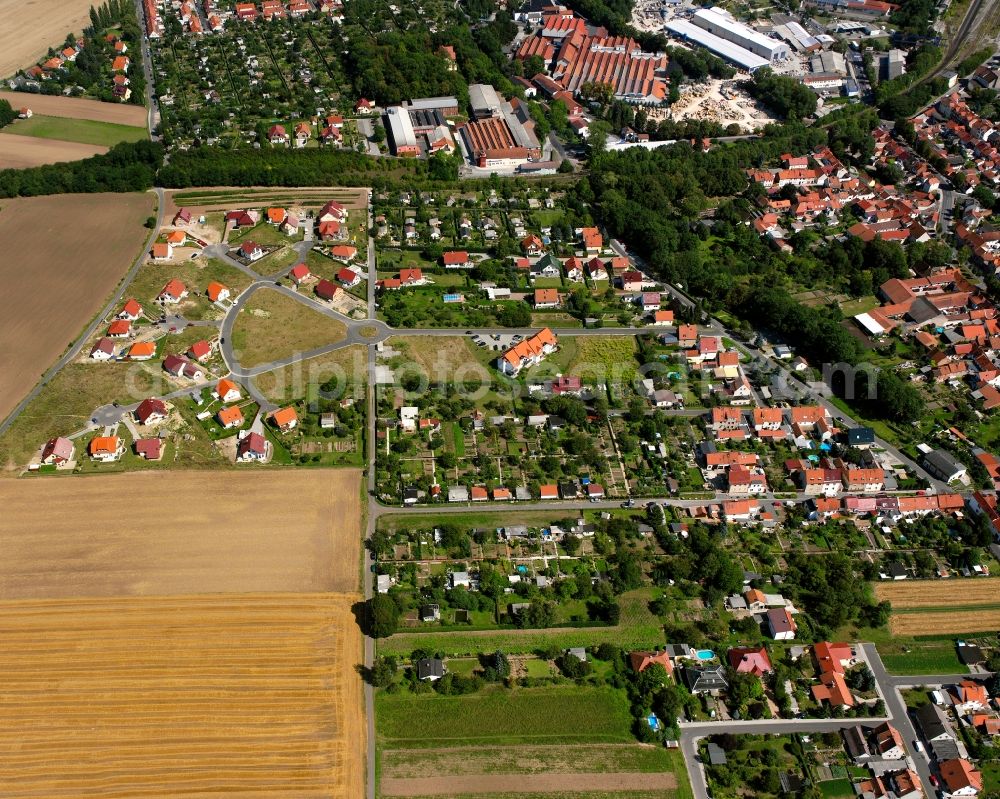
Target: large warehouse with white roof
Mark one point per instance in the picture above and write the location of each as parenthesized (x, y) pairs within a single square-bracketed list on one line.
[(742, 58), (725, 26)]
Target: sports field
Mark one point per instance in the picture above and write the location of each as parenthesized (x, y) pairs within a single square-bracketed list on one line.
[(940, 607), (145, 534), (85, 131), (72, 250), (247, 696)]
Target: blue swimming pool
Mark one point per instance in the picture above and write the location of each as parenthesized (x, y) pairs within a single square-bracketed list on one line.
[(705, 654)]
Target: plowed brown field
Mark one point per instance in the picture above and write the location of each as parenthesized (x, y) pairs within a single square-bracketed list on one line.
[(197, 696), (145, 533), (77, 107), (31, 27), (20, 152), (64, 255)]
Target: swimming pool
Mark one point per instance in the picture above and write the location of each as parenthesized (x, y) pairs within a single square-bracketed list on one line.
[(705, 654)]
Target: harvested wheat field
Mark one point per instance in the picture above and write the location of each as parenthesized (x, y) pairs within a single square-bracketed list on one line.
[(944, 622), (77, 107), (20, 152), (195, 696), (72, 250), (939, 593), (924, 607), (31, 27), (146, 534)]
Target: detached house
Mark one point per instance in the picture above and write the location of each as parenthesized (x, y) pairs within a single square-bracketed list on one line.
[(285, 419), (252, 447), (528, 352), (230, 417), (227, 391), (299, 274), (217, 292), (151, 411), (57, 451), (106, 449), (456, 259), (130, 311), (303, 132), (277, 134), (326, 290), (179, 366), (780, 624), (103, 350), (251, 251), (172, 293)]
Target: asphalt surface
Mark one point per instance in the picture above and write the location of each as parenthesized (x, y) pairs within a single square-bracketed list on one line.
[(896, 714)]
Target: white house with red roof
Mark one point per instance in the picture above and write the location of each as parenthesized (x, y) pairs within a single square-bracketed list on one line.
[(299, 274), (103, 350), (251, 251), (151, 411), (348, 277), (57, 451), (130, 311)]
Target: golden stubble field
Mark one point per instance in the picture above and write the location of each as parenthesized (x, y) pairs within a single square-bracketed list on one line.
[(154, 533), (31, 27), (181, 634), (65, 255), (194, 696), (925, 607)]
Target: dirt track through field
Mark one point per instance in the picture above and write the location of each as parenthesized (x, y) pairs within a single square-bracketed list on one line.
[(31, 27), (65, 255), (144, 533), (20, 152), (76, 107), (196, 696), (527, 783)]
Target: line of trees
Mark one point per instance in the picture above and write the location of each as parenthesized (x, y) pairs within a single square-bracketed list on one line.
[(130, 166), (7, 113)]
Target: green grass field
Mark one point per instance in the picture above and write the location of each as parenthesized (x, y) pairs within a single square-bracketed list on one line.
[(531, 759), (923, 657), (837, 789), (85, 131), (563, 714)]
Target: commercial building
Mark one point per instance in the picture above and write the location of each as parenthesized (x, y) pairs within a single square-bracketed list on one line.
[(499, 136), (446, 105), (399, 128), (733, 53), (484, 101), (721, 23)]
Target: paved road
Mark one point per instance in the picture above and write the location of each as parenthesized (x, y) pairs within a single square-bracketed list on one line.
[(152, 108), (98, 322), (372, 507), (896, 714)]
